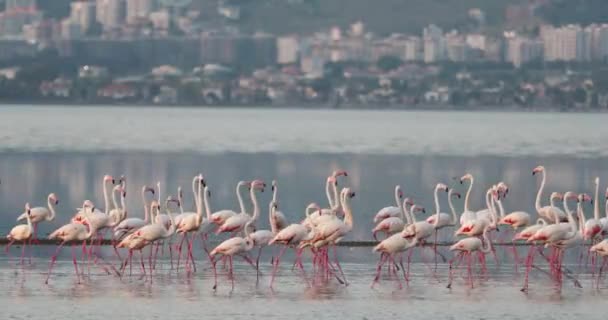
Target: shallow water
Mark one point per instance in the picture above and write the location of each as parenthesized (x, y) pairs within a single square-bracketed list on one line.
[(67, 150), (495, 296)]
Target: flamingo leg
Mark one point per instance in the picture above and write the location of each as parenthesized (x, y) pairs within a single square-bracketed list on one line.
[(179, 251), (257, 266), (8, 247), (391, 258), (338, 264), (53, 259), (23, 245), (529, 261), (470, 268), (379, 269), (190, 254), (276, 265), (453, 267), (435, 248), (231, 274), (75, 263)]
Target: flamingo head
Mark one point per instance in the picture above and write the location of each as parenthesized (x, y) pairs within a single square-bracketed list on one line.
[(503, 188), (399, 191), (201, 179), (338, 173), (348, 193), (538, 170), (207, 191), (556, 195), (467, 176), (583, 197), (407, 202), (108, 178), (417, 208), (570, 196), (88, 204), (455, 194), (53, 198), (122, 179), (28, 209), (274, 185), (145, 189), (441, 186), (169, 199), (258, 185)]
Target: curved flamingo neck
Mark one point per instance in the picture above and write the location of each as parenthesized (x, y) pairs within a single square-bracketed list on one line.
[(555, 214), (486, 245), (348, 215), (501, 208), (145, 202), (328, 193), (114, 200), (567, 207), (275, 191), (437, 207), (451, 205), (207, 206), (51, 209), (413, 213), (123, 204), (194, 193), (581, 217), (240, 197), (406, 212), (466, 198), (197, 202), (271, 217), (596, 204), (106, 201), (337, 203), (256, 207), (539, 194)]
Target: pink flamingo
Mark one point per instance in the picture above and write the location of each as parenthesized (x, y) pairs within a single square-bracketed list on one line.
[(22, 232), (466, 247), (39, 214)]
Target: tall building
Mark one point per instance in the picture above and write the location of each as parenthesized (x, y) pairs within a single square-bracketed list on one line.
[(434, 44), (140, 9), (111, 13), (597, 36), (413, 49), (521, 50), (82, 13), (568, 43), (20, 5), (287, 49), (18, 13)]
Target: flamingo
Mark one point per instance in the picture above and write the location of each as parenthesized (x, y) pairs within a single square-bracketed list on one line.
[(221, 216), (119, 213), (39, 214), (391, 224), (279, 218), (467, 214), (237, 222), (261, 238), (476, 226), (156, 232), (234, 246), (466, 247), (445, 220), (330, 232), (395, 244), (552, 233), (22, 232), (515, 219), (604, 220), (129, 225), (190, 222), (334, 204), (196, 180), (292, 236), (547, 212), (593, 227), (73, 232), (391, 211), (79, 218)]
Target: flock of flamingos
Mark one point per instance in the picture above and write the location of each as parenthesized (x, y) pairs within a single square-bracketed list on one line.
[(556, 228)]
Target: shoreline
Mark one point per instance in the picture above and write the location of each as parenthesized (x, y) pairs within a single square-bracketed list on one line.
[(419, 107)]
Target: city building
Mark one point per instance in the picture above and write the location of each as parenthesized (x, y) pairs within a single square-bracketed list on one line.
[(413, 49), (16, 15), (521, 50), (139, 10), (287, 49), (83, 13), (111, 13), (248, 51)]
